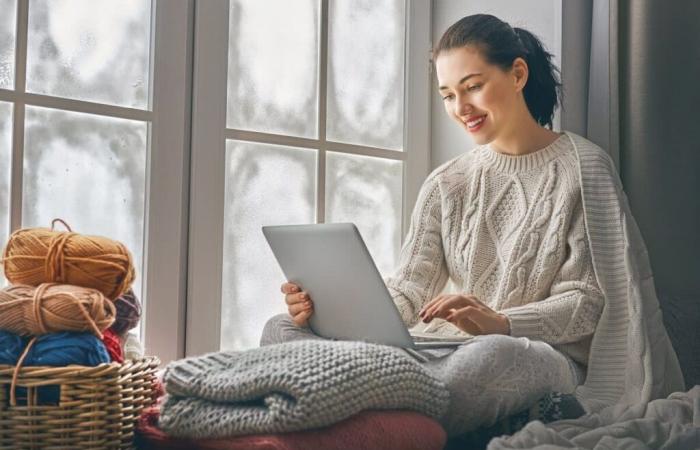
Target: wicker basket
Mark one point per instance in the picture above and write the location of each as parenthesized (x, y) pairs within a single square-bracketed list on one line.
[(97, 407)]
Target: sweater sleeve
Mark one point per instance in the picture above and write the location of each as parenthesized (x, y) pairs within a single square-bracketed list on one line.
[(422, 271), (572, 310)]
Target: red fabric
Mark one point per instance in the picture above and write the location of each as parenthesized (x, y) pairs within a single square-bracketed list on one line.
[(369, 430), (114, 348)]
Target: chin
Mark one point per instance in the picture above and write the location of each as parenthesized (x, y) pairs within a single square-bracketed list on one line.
[(481, 138)]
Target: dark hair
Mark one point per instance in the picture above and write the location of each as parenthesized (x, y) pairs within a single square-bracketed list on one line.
[(500, 44)]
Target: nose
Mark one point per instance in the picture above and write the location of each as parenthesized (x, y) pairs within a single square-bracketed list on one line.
[(462, 106)]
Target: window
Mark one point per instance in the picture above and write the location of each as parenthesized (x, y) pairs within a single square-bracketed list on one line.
[(77, 92), (84, 120), (179, 128), (315, 130)]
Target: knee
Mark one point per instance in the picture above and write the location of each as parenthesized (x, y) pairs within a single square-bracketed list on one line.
[(274, 329), (488, 355)]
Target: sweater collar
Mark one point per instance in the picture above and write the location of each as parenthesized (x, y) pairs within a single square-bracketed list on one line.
[(529, 161)]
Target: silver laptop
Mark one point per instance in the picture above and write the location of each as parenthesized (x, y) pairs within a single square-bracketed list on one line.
[(351, 302)]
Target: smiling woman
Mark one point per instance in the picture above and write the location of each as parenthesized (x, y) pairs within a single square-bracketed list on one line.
[(507, 223)]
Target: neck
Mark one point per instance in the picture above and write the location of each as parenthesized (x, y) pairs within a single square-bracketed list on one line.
[(527, 137)]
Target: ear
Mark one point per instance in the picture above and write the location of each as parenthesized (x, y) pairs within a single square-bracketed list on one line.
[(520, 73)]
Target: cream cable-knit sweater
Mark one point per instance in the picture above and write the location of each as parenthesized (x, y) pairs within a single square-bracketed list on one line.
[(509, 230)]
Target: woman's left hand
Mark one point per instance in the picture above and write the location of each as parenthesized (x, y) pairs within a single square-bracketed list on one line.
[(467, 313)]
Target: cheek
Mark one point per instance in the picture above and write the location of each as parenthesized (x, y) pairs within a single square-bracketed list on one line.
[(451, 112), (492, 99)]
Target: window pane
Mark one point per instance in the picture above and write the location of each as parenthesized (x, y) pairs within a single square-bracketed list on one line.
[(259, 191), (7, 43), (5, 168), (367, 191), (273, 66), (95, 50), (365, 72), (88, 170)]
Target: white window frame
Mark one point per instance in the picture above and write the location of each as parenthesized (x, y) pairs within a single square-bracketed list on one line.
[(168, 120), (209, 134)]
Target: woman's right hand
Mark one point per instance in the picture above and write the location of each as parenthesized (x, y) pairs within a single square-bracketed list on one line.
[(299, 303)]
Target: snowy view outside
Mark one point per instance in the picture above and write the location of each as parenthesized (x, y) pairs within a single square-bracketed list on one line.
[(273, 66), (273, 88), (365, 72), (265, 184), (95, 50), (7, 43), (5, 146), (88, 170)]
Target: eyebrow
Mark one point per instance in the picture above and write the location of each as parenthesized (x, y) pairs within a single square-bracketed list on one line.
[(462, 80)]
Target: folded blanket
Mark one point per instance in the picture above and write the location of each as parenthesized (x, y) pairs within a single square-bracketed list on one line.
[(293, 386), (368, 430), (672, 423)]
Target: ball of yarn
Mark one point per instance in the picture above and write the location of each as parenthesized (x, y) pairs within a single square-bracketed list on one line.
[(133, 349), (128, 313), (51, 308), (39, 255), (113, 346)]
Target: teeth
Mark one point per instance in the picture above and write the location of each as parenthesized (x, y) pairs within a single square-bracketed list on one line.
[(473, 123)]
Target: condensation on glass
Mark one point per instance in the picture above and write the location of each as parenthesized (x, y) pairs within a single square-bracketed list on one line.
[(265, 185), (368, 192), (5, 168), (8, 21), (366, 72), (88, 170), (93, 50), (273, 67)]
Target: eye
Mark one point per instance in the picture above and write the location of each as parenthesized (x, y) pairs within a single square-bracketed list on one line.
[(448, 97), (475, 87)]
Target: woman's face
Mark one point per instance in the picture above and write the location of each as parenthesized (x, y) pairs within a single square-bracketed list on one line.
[(480, 96)]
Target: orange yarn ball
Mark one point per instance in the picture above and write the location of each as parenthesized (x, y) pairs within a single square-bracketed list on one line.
[(39, 255), (51, 308)]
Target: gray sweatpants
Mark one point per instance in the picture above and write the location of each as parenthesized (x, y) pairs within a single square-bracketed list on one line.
[(489, 377)]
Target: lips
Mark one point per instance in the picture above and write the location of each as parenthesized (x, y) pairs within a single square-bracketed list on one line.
[(473, 124)]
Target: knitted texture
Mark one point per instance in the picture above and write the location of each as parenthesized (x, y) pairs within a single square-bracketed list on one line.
[(293, 386), (511, 231)]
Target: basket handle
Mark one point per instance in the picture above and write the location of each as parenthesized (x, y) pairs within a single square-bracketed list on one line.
[(15, 374)]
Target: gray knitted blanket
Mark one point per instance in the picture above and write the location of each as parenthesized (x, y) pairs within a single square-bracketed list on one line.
[(293, 386)]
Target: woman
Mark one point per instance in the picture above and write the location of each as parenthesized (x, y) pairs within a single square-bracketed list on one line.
[(505, 222)]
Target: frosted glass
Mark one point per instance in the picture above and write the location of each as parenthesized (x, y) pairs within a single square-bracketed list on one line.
[(95, 50), (273, 66), (8, 19), (88, 170), (366, 72), (5, 168), (367, 191), (265, 185)]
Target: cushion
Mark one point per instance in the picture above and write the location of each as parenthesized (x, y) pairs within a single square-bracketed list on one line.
[(368, 430)]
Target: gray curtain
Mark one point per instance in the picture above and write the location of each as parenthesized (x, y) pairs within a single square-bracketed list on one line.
[(631, 73)]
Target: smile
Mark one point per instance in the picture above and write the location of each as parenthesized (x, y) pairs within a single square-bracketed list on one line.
[(475, 124)]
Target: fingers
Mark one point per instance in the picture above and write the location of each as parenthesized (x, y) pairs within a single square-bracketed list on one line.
[(302, 318), (298, 308), (467, 319), (430, 305), (301, 297), (442, 305), (290, 288)]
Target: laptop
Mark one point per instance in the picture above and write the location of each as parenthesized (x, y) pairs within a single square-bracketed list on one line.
[(351, 302)]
